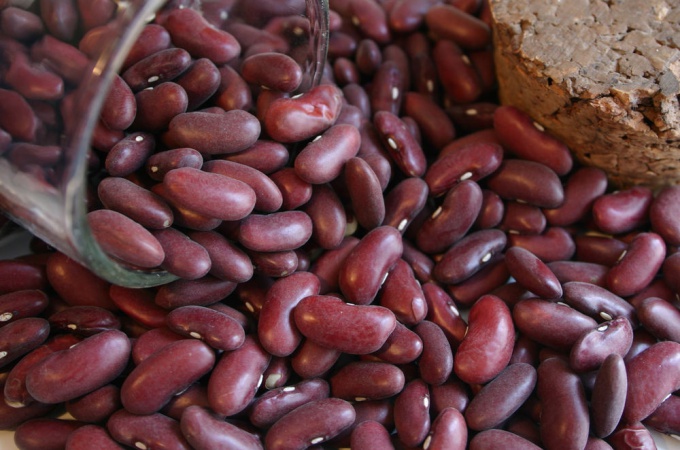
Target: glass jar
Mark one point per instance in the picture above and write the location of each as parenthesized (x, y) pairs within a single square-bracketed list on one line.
[(59, 62)]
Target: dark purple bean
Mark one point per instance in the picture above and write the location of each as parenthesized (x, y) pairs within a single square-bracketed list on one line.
[(540, 320), (532, 273), (158, 105), (491, 212), (421, 263), (271, 70), (487, 346), (662, 214), (529, 182), (609, 395), (11, 417), (402, 294), (375, 155), (387, 89), (435, 363), (401, 347), (60, 18), (237, 377), (599, 249), (132, 200), (327, 266), (44, 433), (638, 265), (273, 405), (75, 284), (583, 187), (80, 369), (203, 430), (412, 413), (366, 380), (322, 160), (17, 117), (90, 436), (183, 257), (564, 411), (521, 218), (488, 278), (500, 398), (631, 436), (274, 264), (61, 57), (151, 341), (403, 203), (460, 80), (275, 328), (95, 13), (370, 435), (433, 122), (312, 360), (442, 310), (202, 292), (671, 271), (228, 261), (450, 22), (200, 82), (20, 337), (652, 376), (660, 318), (217, 329), (622, 211), (294, 190), (269, 198), (278, 372), (452, 219), (276, 232), (500, 440), (354, 329), (448, 431), (452, 394), (97, 406), (21, 304), (581, 271), (138, 304), (598, 302), (83, 320), (148, 431), (33, 81), (129, 154), (555, 244), (666, 418), (590, 350), (24, 155), (400, 144), (164, 65), (467, 256), (20, 24), (345, 71), (162, 162), (365, 193)]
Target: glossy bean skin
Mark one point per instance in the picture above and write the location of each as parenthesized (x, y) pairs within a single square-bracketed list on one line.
[(387, 95), (200, 82), (83, 320), (203, 430), (442, 310), (490, 277), (17, 117), (370, 435), (495, 439), (593, 347), (434, 123), (449, 22), (132, 200), (412, 413), (529, 182), (228, 261), (622, 211), (44, 433), (365, 192), (630, 275), (151, 431), (97, 406), (532, 273), (401, 347), (580, 271), (400, 144), (467, 256), (274, 264), (33, 81), (608, 396), (313, 360), (521, 218), (139, 305), (22, 336), (151, 341), (452, 219), (21, 304), (329, 220), (20, 24), (80, 369), (582, 188), (487, 347), (564, 416), (294, 190), (554, 244), (448, 431), (202, 292), (403, 203), (538, 319), (158, 105), (465, 86), (183, 257), (276, 329), (402, 294), (276, 403), (660, 318), (62, 273), (365, 380), (217, 329), (634, 435), (162, 162), (670, 270), (272, 70), (665, 418), (599, 249), (663, 209), (366, 266), (321, 160), (236, 377), (87, 436), (16, 275), (354, 329), (598, 302), (470, 162), (327, 266), (147, 389), (157, 68), (276, 232), (651, 378), (310, 424), (436, 359)]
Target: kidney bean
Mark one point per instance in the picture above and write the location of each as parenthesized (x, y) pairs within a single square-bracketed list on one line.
[(662, 212), (272, 70), (354, 329), (450, 22), (195, 395), (442, 311), (622, 211), (472, 162), (327, 266), (233, 94), (18, 275), (201, 292), (491, 212), (273, 405), (80, 369), (529, 182), (44, 433), (554, 244), (302, 117), (183, 257), (160, 163), (599, 249), (467, 256), (21, 304), (153, 340), (400, 144), (521, 218), (202, 430), (660, 318), (164, 65), (492, 276), (228, 261), (217, 329), (158, 105), (152, 39), (370, 435), (452, 219), (495, 439), (75, 284), (448, 431), (278, 372), (328, 216), (580, 271), (539, 320), (401, 347), (276, 330), (500, 398), (651, 378), (135, 202), (274, 264), (459, 79), (365, 192), (97, 406), (60, 18), (404, 201), (665, 418), (532, 273), (83, 320), (313, 360), (60, 57), (89, 436), (366, 266), (609, 395), (435, 363), (598, 302), (412, 413), (629, 276), (33, 81), (366, 380), (402, 294), (294, 190), (25, 156), (11, 417), (149, 431), (269, 198), (345, 71), (139, 305), (276, 232), (17, 117), (322, 160), (20, 337), (631, 436), (487, 346), (200, 82), (387, 90), (434, 123), (420, 263), (592, 348), (375, 155), (671, 273), (20, 24), (583, 187)]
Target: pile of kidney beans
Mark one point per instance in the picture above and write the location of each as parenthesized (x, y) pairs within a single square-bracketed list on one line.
[(326, 244)]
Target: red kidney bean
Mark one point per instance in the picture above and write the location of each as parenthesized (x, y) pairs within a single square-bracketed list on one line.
[(272, 70), (528, 139), (660, 318), (119, 108), (151, 341), (217, 329), (452, 219), (404, 201), (11, 417), (276, 232), (229, 132), (202, 430), (622, 211), (313, 360), (80, 369), (75, 284), (276, 330), (525, 350), (532, 273), (366, 266), (294, 190), (17, 117), (273, 405), (200, 82), (202, 292), (233, 92), (494, 439), (20, 337), (135, 202), (581, 271), (61, 57), (148, 431), (21, 304), (278, 372), (354, 329), (20, 24), (386, 93), (652, 376), (327, 266), (33, 81), (236, 378), (345, 71), (495, 274), (631, 436), (500, 398), (599, 249), (434, 123), (274, 264), (83, 320), (487, 346), (554, 244), (400, 144), (185, 217), (583, 187), (529, 182), (421, 263), (370, 435), (366, 380), (442, 311), (328, 216), (16, 275), (370, 18), (125, 239), (310, 424), (95, 13), (401, 347), (158, 105), (448, 431), (451, 394), (305, 116), (521, 218), (662, 214), (139, 305), (598, 302), (375, 155), (460, 80), (152, 39), (183, 257), (164, 65), (472, 162), (564, 416), (322, 160), (195, 395), (228, 261), (411, 413), (540, 320), (609, 395), (97, 406), (152, 383), (467, 256), (638, 265), (492, 210), (592, 348), (671, 272), (60, 18), (402, 294), (665, 418), (449, 22), (89, 436), (269, 198), (365, 193), (44, 433), (435, 363), (24, 155), (162, 162)]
